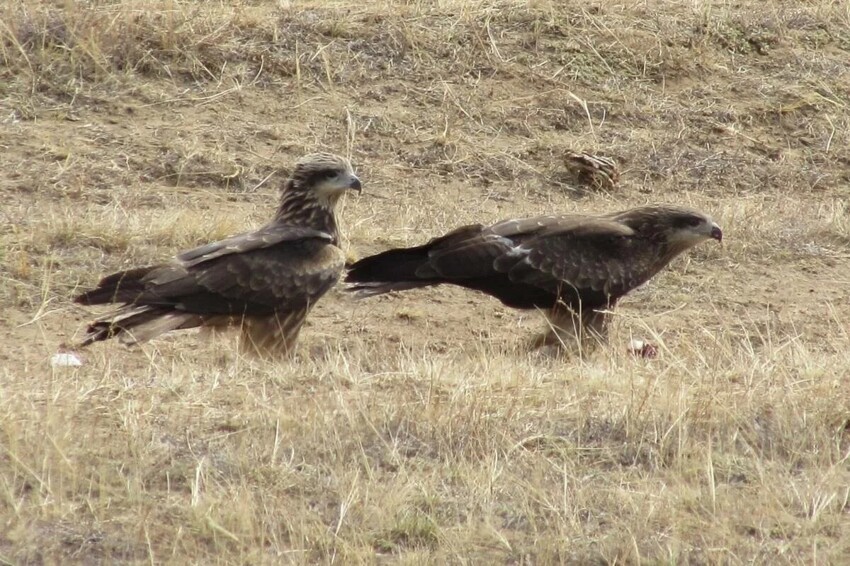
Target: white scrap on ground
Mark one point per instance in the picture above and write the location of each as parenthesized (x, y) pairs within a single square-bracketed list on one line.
[(66, 359), (643, 349)]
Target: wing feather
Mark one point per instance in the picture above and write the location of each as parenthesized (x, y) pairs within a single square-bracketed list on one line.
[(596, 255), (282, 267), (587, 255), (473, 257), (269, 235), (290, 276)]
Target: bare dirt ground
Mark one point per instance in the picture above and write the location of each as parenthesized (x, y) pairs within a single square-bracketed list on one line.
[(418, 428)]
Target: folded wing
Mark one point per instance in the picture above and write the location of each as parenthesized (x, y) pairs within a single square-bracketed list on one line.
[(278, 268), (529, 263)]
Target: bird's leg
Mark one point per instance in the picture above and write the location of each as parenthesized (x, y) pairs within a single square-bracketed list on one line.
[(573, 332), (272, 336), (595, 324)]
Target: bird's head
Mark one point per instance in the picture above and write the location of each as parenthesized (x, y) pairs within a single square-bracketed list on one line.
[(680, 227), (324, 177), (686, 228), (692, 226)]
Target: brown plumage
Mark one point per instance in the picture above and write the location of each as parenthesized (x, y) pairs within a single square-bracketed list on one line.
[(574, 267), (264, 282)]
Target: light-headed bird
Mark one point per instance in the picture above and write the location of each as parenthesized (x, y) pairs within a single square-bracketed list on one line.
[(264, 282)]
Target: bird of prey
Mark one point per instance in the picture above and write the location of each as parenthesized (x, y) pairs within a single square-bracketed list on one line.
[(573, 267), (264, 282)]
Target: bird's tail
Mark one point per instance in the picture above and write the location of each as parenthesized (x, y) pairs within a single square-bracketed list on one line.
[(121, 287), (136, 324), (392, 270), (404, 268)]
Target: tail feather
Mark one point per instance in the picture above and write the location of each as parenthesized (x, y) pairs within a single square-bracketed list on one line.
[(137, 324), (121, 287), (404, 268), (393, 270)]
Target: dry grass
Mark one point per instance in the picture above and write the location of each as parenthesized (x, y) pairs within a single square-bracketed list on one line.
[(417, 429)]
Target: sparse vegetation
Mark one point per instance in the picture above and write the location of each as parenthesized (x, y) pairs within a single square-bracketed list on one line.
[(418, 429)]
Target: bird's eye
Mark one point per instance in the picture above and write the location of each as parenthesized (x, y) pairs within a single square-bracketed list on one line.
[(687, 221), (323, 175)]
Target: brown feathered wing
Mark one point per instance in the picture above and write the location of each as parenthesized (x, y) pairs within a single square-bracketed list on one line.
[(266, 281), (530, 263)]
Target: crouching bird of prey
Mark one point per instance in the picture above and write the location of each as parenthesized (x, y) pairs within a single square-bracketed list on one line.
[(573, 267), (264, 282)]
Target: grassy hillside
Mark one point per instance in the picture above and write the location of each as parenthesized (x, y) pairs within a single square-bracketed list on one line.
[(419, 428)]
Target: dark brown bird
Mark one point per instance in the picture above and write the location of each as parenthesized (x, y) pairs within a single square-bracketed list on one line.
[(574, 267), (264, 282)]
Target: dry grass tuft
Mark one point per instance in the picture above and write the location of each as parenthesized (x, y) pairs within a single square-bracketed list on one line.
[(417, 428)]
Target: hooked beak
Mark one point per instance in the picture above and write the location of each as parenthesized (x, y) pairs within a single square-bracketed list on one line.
[(354, 184), (716, 233)]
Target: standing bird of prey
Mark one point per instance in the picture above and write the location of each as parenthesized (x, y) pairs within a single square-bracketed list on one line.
[(264, 282), (574, 267)]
